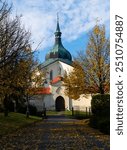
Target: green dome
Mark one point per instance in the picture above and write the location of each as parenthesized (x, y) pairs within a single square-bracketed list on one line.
[(58, 51)]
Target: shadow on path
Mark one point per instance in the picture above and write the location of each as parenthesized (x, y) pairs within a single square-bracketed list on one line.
[(57, 133), (59, 117)]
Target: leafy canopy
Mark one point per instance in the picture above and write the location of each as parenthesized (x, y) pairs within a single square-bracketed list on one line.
[(91, 69)]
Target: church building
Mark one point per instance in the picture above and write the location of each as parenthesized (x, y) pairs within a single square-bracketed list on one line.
[(57, 62)]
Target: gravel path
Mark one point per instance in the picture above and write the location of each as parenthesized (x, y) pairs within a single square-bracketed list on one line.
[(56, 133)]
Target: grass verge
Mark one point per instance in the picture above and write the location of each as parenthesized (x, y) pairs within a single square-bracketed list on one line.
[(76, 114), (50, 113), (15, 121)]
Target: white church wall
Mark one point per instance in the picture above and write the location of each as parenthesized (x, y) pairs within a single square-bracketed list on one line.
[(49, 102), (37, 101), (58, 68), (52, 67), (82, 102), (65, 68)]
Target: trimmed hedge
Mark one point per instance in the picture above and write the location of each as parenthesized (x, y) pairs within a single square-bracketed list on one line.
[(100, 106)]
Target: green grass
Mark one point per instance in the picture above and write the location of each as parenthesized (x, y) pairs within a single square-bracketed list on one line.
[(68, 113), (81, 115), (15, 121), (51, 113), (77, 114), (48, 113)]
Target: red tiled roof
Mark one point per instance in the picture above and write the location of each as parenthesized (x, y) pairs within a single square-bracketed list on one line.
[(43, 90), (56, 79)]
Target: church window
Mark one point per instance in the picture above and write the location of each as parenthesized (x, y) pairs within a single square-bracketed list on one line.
[(51, 75), (59, 71)]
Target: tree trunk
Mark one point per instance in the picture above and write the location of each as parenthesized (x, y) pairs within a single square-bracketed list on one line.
[(101, 90), (27, 111)]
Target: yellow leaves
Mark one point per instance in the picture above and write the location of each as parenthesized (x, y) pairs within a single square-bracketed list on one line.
[(99, 30), (96, 62), (16, 78), (37, 78), (74, 81), (96, 30)]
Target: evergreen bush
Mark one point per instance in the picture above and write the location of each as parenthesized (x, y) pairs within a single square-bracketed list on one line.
[(100, 106)]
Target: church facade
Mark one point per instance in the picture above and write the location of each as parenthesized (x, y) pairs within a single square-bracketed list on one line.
[(57, 62)]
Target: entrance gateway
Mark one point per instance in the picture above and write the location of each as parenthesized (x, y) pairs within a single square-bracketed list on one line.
[(60, 104)]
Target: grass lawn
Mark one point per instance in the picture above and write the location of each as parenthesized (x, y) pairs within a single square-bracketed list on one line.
[(15, 121), (51, 113), (77, 114), (68, 113)]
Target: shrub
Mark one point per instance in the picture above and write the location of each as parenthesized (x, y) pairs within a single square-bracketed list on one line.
[(94, 121), (81, 115), (104, 125), (100, 106)]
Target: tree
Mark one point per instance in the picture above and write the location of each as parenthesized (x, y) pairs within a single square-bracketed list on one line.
[(96, 62), (17, 64), (74, 81), (13, 37), (91, 69)]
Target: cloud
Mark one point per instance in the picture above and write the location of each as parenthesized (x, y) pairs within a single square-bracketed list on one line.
[(76, 18)]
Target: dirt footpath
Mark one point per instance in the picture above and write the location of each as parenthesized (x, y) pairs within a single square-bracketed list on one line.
[(56, 133)]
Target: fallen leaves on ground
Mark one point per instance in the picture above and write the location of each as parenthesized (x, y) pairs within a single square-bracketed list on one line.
[(56, 135)]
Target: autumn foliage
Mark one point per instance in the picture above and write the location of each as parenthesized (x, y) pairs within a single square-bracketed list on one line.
[(74, 81), (17, 63), (97, 61), (91, 73)]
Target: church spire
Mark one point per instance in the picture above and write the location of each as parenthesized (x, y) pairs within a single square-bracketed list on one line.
[(57, 33), (57, 27), (58, 51)]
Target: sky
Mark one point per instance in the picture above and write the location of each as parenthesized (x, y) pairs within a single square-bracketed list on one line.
[(76, 18)]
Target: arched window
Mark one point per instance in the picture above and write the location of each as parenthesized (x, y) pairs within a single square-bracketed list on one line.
[(59, 71), (51, 75)]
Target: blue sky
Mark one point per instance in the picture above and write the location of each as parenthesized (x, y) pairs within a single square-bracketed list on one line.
[(76, 17)]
